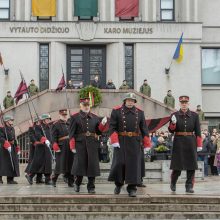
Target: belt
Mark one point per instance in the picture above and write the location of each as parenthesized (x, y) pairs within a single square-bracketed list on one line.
[(63, 138), (11, 142), (184, 133), (37, 142), (89, 134), (129, 134)]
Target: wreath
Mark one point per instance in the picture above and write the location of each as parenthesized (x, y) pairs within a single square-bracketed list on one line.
[(93, 93)]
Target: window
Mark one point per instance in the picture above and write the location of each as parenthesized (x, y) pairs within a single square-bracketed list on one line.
[(4, 9), (129, 64), (86, 9), (44, 66), (126, 9), (211, 66), (167, 10)]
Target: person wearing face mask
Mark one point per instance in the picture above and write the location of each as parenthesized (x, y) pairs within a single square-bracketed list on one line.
[(64, 157), (9, 151), (127, 130), (145, 89), (124, 85), (84, 129), (185, 126), (42, 160)]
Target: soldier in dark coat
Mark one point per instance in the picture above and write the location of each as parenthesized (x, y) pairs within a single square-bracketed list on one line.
[(127, 130), (9, 151), (84, 143), (64, 157), (32, 145), (42, 161), (187, 141)]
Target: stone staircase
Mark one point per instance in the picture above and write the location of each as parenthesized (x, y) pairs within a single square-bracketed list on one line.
[(100, 207)]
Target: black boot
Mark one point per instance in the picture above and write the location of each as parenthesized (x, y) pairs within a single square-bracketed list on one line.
[(132, 193), (117, 190), (76, 188), (189, 190), (10, 180), (91, 191), (39, 179), (29, 179), (1, 181), (173, 187)]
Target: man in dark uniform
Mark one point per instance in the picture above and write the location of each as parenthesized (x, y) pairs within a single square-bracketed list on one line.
[(84, 143), (127, 130), (187, 141), (33, 143), (64, 157), (9, 151), (42, 161)]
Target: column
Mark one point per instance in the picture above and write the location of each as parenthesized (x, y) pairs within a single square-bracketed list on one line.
[(60, 10), (69, 10), (27, 10), (17, 10), (112, 10), (145, 10), (154, 10), (102, 10), (187, 10), (195, 11)]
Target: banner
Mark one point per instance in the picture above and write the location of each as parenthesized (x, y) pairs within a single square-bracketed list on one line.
[(86, 8), (126, 8), (44, 8)]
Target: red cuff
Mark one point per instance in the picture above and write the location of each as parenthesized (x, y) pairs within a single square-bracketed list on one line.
[(72, 144), (147, 142), (199, 141), (17, 149), (43, 139), (103, 128), (56, 147), (7, 145), (114, 138), (172, 126)]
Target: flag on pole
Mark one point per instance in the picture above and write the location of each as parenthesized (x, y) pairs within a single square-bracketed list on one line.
[(1, 60), (44, 8), (61, 84), (178, 55), (91, 99), (22, 89)]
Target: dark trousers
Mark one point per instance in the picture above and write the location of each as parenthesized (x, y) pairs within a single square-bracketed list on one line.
[(130, 187), (190, 177), (214, 170), (90, 184), (39, 175), (67, 175)]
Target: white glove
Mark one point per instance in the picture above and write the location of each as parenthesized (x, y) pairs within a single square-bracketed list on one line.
[(19, 153), (74, 151), (116, 145), (173, 119), (104, 120), (9, 149), (199, 149), (146, 150), (47, 143)]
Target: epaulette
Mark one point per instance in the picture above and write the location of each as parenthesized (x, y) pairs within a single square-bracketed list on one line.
[(117, 107)]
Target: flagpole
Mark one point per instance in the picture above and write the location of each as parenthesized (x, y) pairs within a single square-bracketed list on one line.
[(67, 103), (44, 133)]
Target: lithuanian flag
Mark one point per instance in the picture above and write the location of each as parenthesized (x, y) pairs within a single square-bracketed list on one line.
[(44, 8), (178, 55)]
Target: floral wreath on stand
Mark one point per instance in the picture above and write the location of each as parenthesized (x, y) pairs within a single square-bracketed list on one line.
[(93, 94)]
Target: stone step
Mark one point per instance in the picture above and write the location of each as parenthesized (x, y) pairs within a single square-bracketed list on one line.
[(109, 208), (110, 199), (109, 215)]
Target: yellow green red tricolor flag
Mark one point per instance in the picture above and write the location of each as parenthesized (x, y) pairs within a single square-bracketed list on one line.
[(178, 55), (44, 8), (91, 99)]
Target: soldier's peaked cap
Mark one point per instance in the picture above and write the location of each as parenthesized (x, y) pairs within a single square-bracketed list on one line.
[(7, 118), (184, 98)]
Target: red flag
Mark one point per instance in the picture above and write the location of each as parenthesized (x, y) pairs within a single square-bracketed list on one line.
[(61, 84), (126, 8), (22, 89), (1, 60), (157, 123)]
